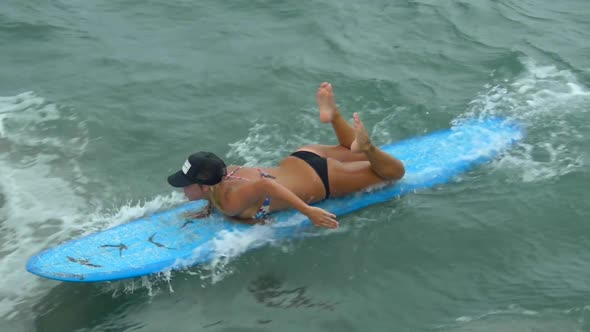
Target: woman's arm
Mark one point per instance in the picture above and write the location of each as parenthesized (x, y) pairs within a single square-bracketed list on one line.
[(251, 193)]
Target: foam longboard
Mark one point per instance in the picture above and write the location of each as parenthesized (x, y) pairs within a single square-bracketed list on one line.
[(168, 240)]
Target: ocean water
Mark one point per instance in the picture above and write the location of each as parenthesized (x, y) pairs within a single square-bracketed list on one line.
[(100, 101)]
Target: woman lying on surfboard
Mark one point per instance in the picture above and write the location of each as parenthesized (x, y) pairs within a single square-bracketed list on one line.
[(311, 174)]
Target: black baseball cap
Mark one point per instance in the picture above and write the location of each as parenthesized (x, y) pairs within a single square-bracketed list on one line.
[(202, 168)]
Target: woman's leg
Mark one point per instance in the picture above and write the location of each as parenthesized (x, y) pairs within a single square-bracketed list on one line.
[(344, 131), (356, 163), (329, 112), (385, 165), (349, 177)]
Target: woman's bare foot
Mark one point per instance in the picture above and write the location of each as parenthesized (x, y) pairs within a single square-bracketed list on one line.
[(326, 102), (362, 142)]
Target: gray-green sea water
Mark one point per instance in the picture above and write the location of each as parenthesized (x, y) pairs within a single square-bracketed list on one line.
[(101, 100)]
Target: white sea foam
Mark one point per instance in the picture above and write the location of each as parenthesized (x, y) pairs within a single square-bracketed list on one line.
[(226, 247), (132, 210), (547, 102), (254, 149), (42, 196), (33, 214), (229, 245), (15, 104)]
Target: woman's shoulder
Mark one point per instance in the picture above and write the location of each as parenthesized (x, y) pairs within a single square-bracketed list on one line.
[(223, 198)]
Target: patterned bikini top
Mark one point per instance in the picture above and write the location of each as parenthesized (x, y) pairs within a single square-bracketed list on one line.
[(263, 211)]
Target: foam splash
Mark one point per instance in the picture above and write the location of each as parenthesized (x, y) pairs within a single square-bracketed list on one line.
[(148, 284), (254, 149), (33, 215), (42, 193), (548, 102), (226, 248), (229, 245), (16, 104), (131, 211), (250, 149), (79, 223)]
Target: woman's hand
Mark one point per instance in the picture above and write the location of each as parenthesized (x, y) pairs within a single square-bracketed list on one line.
[(203, 213), (321, 217)]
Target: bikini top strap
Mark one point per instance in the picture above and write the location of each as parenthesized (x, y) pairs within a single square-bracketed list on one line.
[(233, 172), (232, 176)]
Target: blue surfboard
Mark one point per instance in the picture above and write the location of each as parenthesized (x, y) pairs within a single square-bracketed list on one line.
[(168, 240)]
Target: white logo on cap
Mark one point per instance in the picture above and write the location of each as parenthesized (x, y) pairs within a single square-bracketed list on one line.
[(186, 167)]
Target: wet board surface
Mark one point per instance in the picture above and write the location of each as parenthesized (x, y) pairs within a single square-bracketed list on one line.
[(167, 240)]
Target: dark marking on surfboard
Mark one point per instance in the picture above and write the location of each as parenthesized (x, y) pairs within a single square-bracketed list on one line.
[(85, 262), (212, 324), (121, 247), (157, 244), (186, 223)]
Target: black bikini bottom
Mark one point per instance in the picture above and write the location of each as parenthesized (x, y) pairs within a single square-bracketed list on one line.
[(319, 165)]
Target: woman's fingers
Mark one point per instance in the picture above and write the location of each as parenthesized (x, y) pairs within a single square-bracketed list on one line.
[(328, 214), (331, 222), (326, 219)]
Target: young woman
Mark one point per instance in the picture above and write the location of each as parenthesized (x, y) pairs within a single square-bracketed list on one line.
[(311, 174)]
